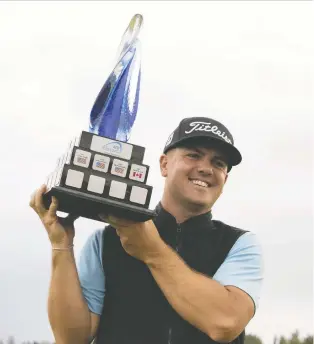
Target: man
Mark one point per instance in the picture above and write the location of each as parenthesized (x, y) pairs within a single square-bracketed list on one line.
[(180, 278)]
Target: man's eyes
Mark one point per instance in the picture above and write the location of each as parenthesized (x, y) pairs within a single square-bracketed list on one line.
[(216, 162), (193, 155), (220, 163)]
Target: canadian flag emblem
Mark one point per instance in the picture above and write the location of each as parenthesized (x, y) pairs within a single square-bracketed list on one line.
[(137, 174)]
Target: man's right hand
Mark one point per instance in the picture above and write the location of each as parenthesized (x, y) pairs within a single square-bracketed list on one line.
[(60, 230)]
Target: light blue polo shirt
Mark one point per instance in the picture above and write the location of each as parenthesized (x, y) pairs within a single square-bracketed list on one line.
[(243, 268)]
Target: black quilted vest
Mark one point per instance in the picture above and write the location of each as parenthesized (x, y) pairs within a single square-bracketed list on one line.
[(135, 310)]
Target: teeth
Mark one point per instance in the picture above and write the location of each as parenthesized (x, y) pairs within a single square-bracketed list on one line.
[(200, 183)]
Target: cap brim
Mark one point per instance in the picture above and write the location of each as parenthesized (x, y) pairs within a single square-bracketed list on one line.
[(232, 154)]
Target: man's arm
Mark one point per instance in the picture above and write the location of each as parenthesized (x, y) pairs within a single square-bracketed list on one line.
[(219, 309), (69, 316), (220, 312), (68, 313)]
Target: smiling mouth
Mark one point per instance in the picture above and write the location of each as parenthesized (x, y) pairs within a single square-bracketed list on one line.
[(200, 183)]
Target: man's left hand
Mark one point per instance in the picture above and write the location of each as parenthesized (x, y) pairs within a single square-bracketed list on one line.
[(139, 239)]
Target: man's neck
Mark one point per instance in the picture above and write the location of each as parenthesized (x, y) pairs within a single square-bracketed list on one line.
[(182, 212)]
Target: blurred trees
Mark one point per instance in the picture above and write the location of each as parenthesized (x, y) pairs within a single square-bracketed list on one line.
[(293, 339), (249, 339), (252, 339)]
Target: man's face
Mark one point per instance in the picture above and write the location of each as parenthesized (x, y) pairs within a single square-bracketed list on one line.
[(195, 176)]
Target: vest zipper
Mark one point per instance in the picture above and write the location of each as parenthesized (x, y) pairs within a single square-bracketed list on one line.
[(170, 335), (177, 247), (178, 237)]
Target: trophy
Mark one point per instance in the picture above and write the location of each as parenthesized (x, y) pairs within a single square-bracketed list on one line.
[(100, 172)]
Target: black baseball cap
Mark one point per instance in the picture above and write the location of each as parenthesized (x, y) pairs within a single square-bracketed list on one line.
[(205, 131)]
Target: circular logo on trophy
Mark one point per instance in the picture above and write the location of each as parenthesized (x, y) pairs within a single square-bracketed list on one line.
[(113, 147)]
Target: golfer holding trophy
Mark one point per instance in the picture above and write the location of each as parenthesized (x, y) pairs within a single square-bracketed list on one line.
[(171, 275)]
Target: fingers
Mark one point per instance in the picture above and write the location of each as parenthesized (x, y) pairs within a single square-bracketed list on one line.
[(36, 201), (52, 211), (103, 217), (32, 200), (108, 219), (117, 222), (120, 222), (39, 205)]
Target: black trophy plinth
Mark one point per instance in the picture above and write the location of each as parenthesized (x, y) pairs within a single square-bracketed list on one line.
[(98, 175)]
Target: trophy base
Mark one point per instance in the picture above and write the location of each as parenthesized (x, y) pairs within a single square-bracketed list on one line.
[(90, 206)]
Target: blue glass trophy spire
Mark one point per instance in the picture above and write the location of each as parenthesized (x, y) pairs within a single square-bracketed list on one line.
[(114, 111)]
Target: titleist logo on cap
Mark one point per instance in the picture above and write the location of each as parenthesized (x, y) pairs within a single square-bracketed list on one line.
[(204, 126)]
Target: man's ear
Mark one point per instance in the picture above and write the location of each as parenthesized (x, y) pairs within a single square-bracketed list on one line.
[(163, 161)]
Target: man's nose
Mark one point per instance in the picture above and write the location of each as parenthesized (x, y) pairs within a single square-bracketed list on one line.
[(205, 167)]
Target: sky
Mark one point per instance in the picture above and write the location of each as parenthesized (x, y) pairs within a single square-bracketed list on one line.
[(246, 64)]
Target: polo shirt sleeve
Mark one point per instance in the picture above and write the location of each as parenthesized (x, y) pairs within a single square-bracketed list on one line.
[(243, 267), (90, 272)]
